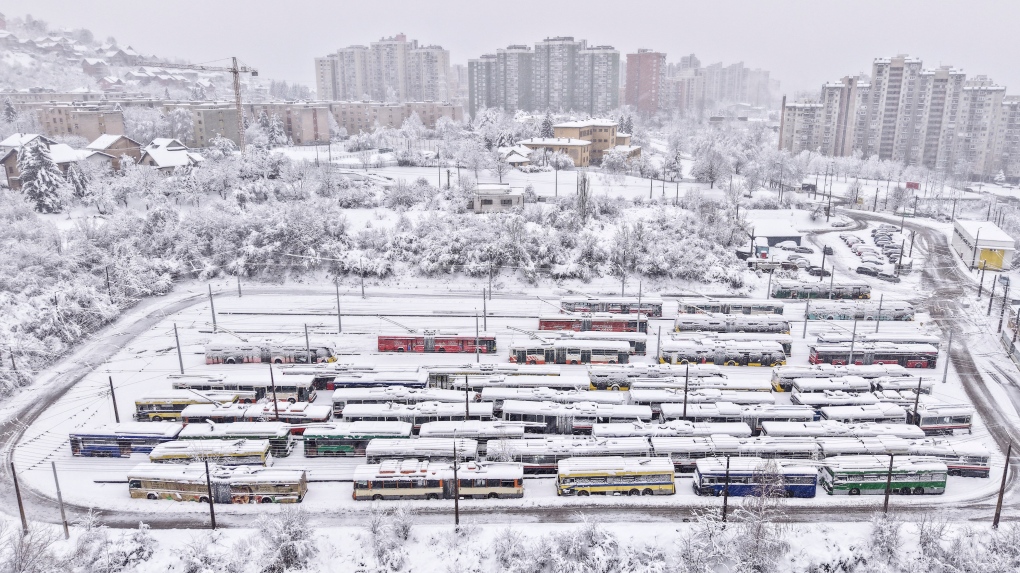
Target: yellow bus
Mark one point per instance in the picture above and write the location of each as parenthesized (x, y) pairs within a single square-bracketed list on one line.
[(242, 484), (169, 404), (615, 476), (223, 452)]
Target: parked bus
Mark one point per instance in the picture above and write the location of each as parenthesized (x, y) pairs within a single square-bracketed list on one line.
[(864, 475), (480, 383), (755, 416), (607, 475), (654, 398), (784, 340), (871, 337), (721, 384), (940, 419), (880, 413), (121, 440), (647, 305), (783, 376), (430, 449), (910, 383), (299, 414), (685, 452), (221, 452), (168, 404), (832, 428), (840, 290), (570, 352), (907, 355), (715, 322), (863, 446), (860, 310), (292, 388), (432, 341), (499, 395), (722, 352), (818, 400), (638, 341), (577, 418), (404, 378), (707, 412), (966, 459), (602, 374), (240, 484), (392, 394), (444, 376), (417, 414), (216, 413), (413, 479), (673, 428), (541, 455), (600, 321), (350, 438), (231, 352), (840, 383), (278, 434), (703, 305), (753, 476), (476, 430)]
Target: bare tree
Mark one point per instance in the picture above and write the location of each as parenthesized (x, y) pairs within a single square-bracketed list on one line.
[(761, 541), (499, 165)]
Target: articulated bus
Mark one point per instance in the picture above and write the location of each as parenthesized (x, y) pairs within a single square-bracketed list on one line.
[(418, 414), (840, 290), (122, 440), (647, 305), (541, 455), (480, 383), (716, 412), (723, 352), (600, 321), (757, 415), (222, 452), (752, 476), (783, 377), (442, 342), (702, 305), (623, 372), (784, 340), (234, 352), (656, 397), (577, 418), (864, 475), (684, 453), (392, 394), (834, 429), (168, 404), (350, 438), (674, 428), (299, 415), (865, 446), (444, 376), (383, 379), (818, 400), (841, 338), (605, 475), (292, 388), (476, 430), (239, 484), (638, 341), (762, 323), (940, 419), (840, 383), (413, 479), (881, 413), (967, 459), (907, 355), (430, 449), (860, 310), (570, 352), (280, 440), (499, 395)]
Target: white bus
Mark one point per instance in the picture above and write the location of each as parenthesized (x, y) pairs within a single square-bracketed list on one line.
[(391, 394), (862, 475), (879, 413), (431, 449), (834, 429), (715, 322), (860, 310), (723, 352), (844, 383), (499, 395), (418, 414), (650, 305), (700, 305), (222, 452), (685, 452), (843, 338), (413, 479), (656, 397), (295, 388), (239, 484), (707, 412), (674, 428), (723, 384), (963, 459), (755, 416), (540, 455), (817, 400), (570, 352), (938, 419), (863, 446), (479, 383), (278, 434), (554, 418), (476, 430), (620, 374), (638, 341), (614, 476), (783, 377), (911, 383), (442, 376), (235, 352)]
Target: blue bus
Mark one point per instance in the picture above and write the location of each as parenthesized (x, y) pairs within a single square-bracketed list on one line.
[(747, 474), (122, 440)]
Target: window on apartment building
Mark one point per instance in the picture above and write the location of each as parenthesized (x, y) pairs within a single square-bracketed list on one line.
[(486, 202)]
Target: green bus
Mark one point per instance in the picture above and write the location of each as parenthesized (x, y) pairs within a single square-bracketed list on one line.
[(864, 475), (350, 438)]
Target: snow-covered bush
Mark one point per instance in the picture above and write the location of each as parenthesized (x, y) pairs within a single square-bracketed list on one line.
[(286, 539)]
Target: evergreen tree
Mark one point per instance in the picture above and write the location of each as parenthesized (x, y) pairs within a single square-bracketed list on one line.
[(10, 114), (276, 133), (166, 93), (264, 121), (78, 179), (41, 179), (547, 125)]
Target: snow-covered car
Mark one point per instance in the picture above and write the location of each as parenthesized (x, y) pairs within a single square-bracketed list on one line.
[(818, 271), (841, 223), (868, 270), (888, 277), (787, 245), (805, 250)]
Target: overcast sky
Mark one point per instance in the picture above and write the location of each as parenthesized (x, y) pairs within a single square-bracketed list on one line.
[(802, 42)]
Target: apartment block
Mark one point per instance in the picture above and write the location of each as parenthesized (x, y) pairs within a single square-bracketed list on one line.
[(597, 80), (304, 123), (602, 134), (514, 75), (353, 73), (483, 87), (556, 73), (980, 112), (363, 116), (838, 117), (85, 120), (800, 126), (388, 68), (428, 71), (327, 84), (1008, 146), (941, 89), (646, 75)]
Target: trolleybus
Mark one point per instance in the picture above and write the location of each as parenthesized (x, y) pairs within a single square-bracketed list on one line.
[(939, 419), (570, 352), (413, 479), (239, 484), (405, 378), (647, 305), (221, 452), (966, 459), (295, 388), (674, 428), (499, 395), (540, 455), (433, 341), (834, 429), (480, 383), (122, 440), (607, 475), (391, 394), (840, 290), (863, 475), (299, 414), (656, 397), (168, 404), (685, 452), (476, 430), (443, 376), (280, 440), (881, 413), (601, 321), (714, 322), (907, 355), (723, 352), (783, 377), (753, 476), (730, 306), (350, 438), (577, 418), (431, 449), (860, 310), (269, 351), (418, 414), (835, 383), (638, 341), (706, 412)]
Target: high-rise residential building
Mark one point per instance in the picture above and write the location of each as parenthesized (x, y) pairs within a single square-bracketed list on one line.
[(326, 78), (388, 68), (1008, 146), (940, 90), (646, 75), (685, 91), (428, 71), (482, 84), (353, 73), (458, 81), (597, 80), (838, 116), (555, 73), (689, 62), (980, 112), (514, 76), (800, 126)]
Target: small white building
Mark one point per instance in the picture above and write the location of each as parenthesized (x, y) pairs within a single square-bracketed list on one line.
[(982, 241), (492, 197)]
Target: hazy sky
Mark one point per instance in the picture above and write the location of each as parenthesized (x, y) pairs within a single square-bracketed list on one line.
[(802, 42)]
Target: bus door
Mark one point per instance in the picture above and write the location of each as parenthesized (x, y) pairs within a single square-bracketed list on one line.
[(561, 356), (585, 323), (430, 342), (124, 448), (521, 356), (449, 489), (585, 356), (221, 492), (623, 358), (550, 356)]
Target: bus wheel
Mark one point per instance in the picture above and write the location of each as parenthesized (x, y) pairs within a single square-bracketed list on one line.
[(203, 499), (612, 362), (616, 387), (532, 362), (400, 350), (428, 496), (151, 496), (292, 400), (265, 500), (634, 492), (904, 491), (378, 497), (157, 418), (918, 490), (583, 493), (493, 495), (441, 349), (855, 491), (278, 361), (646, 491), (228, 361), (573, 362)]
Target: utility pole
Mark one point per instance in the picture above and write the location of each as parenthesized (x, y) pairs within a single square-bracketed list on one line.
[(990, 299), (917, 401), (485, 313), (1002, 313), (807, 311), (949, 349), (878, 317), (456, 486), (981, 280), (60, 501), (272, 382), (361, 267), (768, 291), (180, 358), (116, 415), (239, 286), (21, 505), (212, 309), (853, 339), (1002, 487), (888, 486), (208, 489), (821, 275), (339, 321), (477, 358), (903, 243), (467, 389), (308, 347), (658, 346), (687, 379), (109, 290), (726, 490)]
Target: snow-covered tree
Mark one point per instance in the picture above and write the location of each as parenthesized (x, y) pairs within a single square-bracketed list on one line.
[(412, 128), (275, 133), (547, 125), (1000, 178), (711, 166), (181, 125), (10, 114), (560, 161), (41, 179), (498, 164), (336, 133)]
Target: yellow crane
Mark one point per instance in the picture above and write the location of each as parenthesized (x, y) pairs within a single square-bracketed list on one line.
[(234, 70)]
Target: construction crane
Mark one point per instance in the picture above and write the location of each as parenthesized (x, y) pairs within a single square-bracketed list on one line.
[(236, 71)]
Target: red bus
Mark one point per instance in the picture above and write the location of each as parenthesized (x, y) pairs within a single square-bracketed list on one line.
[(600, 321), (906, 355), (437, 342)]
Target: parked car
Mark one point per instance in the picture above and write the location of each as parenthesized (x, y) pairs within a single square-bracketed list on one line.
[(802, 263), (827, 250), (888, 277), (867, 270), (818, 271), (804, 250)]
